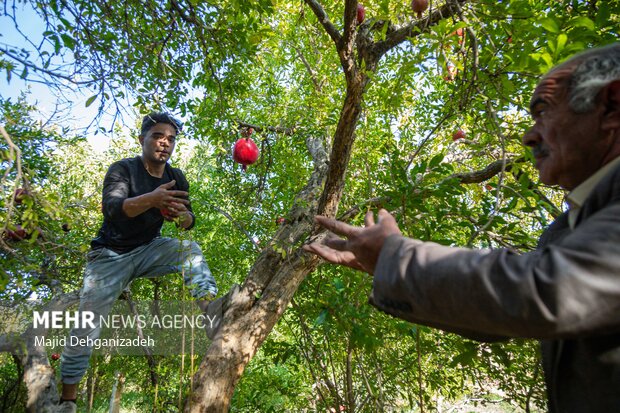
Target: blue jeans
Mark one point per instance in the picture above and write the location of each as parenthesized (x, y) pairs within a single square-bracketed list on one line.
[(107, 274)]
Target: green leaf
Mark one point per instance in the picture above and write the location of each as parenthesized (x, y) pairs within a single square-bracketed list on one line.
[(583, 22), (560, 43), (321, 318), (90, 100), (550, 25), (435, 161), (338, 284), (68, 41), (603, 15)]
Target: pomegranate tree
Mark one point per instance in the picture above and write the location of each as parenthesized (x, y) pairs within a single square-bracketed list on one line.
[(245, 151)]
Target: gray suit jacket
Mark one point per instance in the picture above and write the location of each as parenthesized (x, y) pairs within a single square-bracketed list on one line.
[(566, 293)]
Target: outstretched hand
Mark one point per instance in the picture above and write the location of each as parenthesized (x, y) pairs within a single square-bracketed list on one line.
[(362, 246)]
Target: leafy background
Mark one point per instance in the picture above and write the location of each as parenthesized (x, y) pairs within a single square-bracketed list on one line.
[(225, 65)]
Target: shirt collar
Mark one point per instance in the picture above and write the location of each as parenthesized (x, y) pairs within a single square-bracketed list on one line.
[(577, 197)]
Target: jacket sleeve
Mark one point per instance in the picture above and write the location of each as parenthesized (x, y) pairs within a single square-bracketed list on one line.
[(568, 288), (115, 191)]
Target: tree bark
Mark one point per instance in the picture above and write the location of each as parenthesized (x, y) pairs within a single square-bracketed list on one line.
[(117, 393)]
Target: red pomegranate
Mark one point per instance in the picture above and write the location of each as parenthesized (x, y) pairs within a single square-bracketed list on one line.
[(419, 6), (245, 152), (361, 13), (458, 134), (166, 214)]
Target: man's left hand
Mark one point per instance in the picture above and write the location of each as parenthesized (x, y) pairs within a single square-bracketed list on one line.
[(179, 212)]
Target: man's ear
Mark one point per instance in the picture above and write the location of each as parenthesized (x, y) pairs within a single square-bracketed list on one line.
[(610, 95), (141, 140)]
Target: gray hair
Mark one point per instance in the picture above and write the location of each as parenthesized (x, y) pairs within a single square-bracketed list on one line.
[(595, 69)]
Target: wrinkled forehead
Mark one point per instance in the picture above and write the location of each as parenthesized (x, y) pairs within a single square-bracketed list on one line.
[(554, 84)]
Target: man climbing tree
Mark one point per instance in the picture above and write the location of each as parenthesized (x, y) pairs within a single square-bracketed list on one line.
[(138, 195)]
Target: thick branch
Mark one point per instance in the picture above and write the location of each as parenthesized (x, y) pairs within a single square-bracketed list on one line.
[(417, 27), (331, 30), (487, 173), (345, 49)]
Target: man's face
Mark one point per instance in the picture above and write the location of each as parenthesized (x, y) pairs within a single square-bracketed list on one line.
[(568, 146), (158, 144)]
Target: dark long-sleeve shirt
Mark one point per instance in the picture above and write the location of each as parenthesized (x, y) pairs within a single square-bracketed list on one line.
[(129, 178)]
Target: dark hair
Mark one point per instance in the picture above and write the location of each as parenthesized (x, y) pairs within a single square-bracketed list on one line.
[(154, 118)]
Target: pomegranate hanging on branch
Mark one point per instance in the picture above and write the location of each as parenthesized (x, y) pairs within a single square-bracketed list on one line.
[(245, 151)]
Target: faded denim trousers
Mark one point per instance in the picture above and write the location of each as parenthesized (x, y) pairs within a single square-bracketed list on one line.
[(108, 273)]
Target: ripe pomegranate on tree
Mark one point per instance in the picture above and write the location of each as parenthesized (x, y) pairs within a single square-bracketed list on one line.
[(245, 151), (361, 13), (419, 6), (459, 134), (460, 32)]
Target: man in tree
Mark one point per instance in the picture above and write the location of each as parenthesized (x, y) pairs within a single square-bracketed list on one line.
[(567, 292), (138, 195)]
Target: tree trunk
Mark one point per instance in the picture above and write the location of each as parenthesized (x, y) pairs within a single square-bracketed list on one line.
[(117, 393), (91, 382)]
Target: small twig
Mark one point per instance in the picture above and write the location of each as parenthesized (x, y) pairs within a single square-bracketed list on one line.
[(235, 222)]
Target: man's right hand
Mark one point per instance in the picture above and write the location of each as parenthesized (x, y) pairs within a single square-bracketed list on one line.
[(164, 198), (161, 198), (361, 247)]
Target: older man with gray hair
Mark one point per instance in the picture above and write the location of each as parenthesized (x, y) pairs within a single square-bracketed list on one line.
[(567, 292)]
